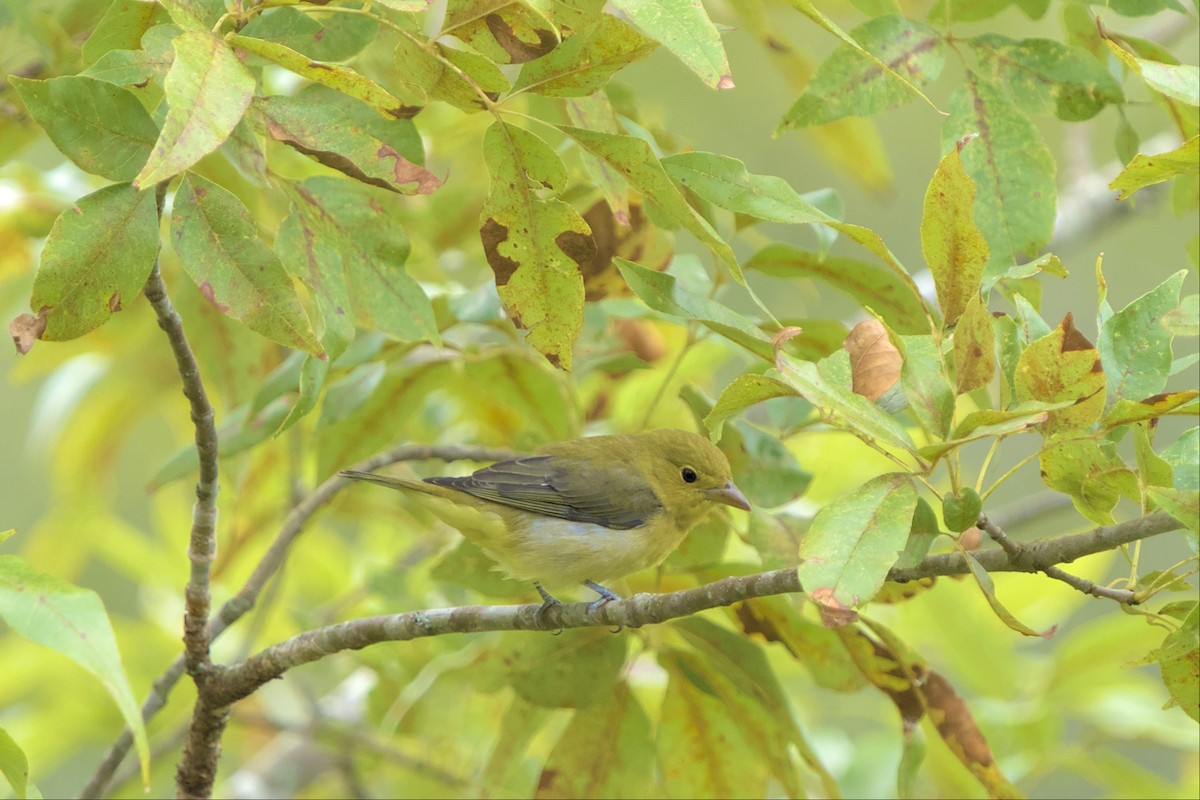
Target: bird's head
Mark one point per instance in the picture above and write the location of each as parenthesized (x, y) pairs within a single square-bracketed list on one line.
[(690, 474)]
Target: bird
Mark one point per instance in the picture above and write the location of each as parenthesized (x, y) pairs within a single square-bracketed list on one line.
[(584, 510)]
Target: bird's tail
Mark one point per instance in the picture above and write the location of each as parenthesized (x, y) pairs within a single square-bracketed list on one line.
[(390, 481)]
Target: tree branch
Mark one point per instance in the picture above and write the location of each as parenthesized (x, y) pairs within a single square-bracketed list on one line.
[(202, 544), (244, 678), (1018, 555), (248, 595)]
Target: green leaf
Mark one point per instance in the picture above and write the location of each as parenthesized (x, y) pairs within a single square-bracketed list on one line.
[(1176, 81), (660, 292), (535, 243), (207, 90), (861, 416), (584, 63), (72, 621), (1009, 160), (986, 423), (984, 581), (1179, 661), (636, 162), (745, 391), (1063, 365), (120, 28), (1145, 171), (335, 76), (505, 32), (334, 37), (974, 347), (736, 670), (855, 540), (576, 669), (370, 149), (13, 764), (218, 245), (1047, 263), (961, 509), (769, 474), (851, 82), (923, 380), (1151, 468), (369, 408), (1184, 320), (881, 290), (194, 15), (1134, 348), (346, 242), (96, 259), (422, 65), (101, 127), (1184, 458), (606, 751), (921, 535), (954, 248), (683, 27), (1046, 76), (1182, 504), (702, 751), (1093, 476), (724, 181), (1008, 355)]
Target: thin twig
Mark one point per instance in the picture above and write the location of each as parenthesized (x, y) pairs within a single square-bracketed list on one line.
[(1018, 554), (248, 595), (202, 544)]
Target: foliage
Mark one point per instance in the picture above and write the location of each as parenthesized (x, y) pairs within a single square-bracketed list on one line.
[(466, 222)]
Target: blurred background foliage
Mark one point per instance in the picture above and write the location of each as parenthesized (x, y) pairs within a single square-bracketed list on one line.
[(96, 473)]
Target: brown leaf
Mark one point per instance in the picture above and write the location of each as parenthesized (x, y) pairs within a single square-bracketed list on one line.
[(635, 240), (26, 329), (874, 361), (834, 613)]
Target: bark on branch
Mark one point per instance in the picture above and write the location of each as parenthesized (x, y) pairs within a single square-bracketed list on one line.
[(242, 679)]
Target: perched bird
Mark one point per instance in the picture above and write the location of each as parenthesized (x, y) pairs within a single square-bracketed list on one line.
[(584, 510)]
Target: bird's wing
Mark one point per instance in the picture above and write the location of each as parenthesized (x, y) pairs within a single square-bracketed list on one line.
[(612, 496)]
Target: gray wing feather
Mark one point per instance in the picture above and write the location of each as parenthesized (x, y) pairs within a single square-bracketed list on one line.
[(558, 487)]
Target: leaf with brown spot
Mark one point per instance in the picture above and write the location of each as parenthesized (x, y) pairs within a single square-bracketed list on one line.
[(536, 244), (954, 248), (874, 361), (606, 751), (335, 76), (218, 245), (505, 31), (1062, 366), (974, 347), (103, 245), (341, 140), (207, 90), (635, 240)]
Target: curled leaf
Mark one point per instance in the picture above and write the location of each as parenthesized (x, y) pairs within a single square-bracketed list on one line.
[(874, 361)]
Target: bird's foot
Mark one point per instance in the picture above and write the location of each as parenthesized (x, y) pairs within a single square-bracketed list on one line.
[(606, 596), (549, 601)]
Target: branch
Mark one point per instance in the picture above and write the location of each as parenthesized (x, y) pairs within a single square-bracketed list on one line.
[(202, 545), (248, 595), (242, 679), (1019, 555)]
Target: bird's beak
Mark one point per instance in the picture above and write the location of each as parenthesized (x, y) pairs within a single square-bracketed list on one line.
[(730, 495)]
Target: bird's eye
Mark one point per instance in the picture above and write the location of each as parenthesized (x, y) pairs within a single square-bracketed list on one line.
[(688, 474)]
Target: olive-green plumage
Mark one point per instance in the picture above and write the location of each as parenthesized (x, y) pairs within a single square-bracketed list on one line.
[(587, 509)]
